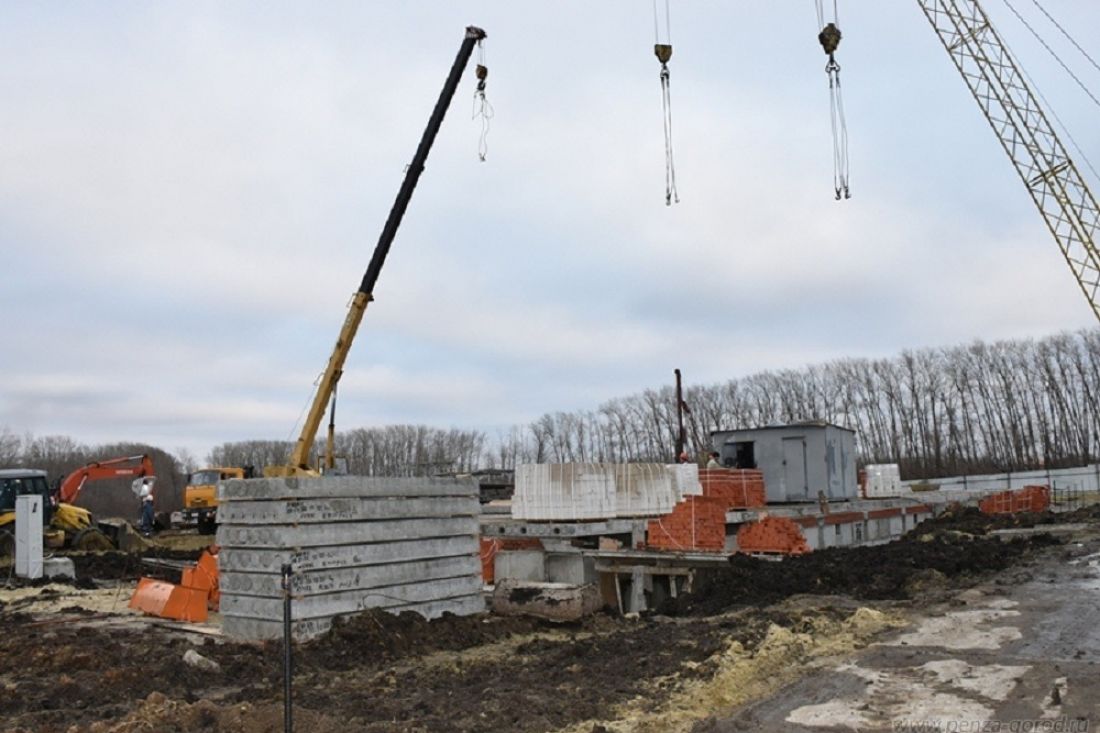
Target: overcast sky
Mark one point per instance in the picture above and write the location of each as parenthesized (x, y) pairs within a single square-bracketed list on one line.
[(190, 193)]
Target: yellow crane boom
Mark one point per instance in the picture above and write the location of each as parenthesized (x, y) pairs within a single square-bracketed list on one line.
[(298, 465)]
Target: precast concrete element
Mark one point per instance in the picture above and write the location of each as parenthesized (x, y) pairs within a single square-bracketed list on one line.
[(594, 491), (353, 543), (553, 601), (240, 627), (529, 565)]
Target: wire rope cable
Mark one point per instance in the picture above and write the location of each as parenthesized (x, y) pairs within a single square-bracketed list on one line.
[(1048, 107), (663, 50), (1053, 53)]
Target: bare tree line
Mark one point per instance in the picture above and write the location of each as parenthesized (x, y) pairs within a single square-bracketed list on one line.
[(978, 408), (392, 450), (59, 455), (983, 407)]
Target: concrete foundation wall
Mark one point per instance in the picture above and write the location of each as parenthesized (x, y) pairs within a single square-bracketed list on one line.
[(353, 543)]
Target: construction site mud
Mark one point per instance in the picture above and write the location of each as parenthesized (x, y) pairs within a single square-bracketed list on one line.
[(79, 672), (953, 548)]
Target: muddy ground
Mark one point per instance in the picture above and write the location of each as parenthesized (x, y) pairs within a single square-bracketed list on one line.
[(747, 629)]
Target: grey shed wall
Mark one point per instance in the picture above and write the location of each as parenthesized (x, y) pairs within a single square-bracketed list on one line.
[(798, 461)]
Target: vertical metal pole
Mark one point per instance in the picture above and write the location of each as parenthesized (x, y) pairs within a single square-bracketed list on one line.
[(288, 662), (679, 419)]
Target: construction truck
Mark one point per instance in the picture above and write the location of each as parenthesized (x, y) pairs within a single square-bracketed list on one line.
[(200, 498)]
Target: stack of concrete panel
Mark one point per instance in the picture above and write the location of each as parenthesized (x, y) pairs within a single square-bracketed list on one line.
[(587, 491), (353, 543)]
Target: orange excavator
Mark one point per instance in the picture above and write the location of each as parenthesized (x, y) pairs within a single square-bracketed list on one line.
[(73, 525), (129, 467)]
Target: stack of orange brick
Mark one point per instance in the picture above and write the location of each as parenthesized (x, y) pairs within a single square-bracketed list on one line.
[(739, 488), (772, 535), (697, 523), (490, 548), (1027, 499)]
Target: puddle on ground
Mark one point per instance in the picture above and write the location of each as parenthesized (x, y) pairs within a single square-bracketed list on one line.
[(960, 629), (917, 694)]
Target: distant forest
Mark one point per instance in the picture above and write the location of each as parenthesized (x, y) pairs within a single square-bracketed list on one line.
[(979, 408)]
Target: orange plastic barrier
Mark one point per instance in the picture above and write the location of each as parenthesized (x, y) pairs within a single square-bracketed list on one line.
[(1027, 499), (190, 600), (739, 488), (697, 523), (772, 535)]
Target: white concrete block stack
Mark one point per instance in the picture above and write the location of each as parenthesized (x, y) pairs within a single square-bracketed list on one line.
[(587, 491), (353, 542)]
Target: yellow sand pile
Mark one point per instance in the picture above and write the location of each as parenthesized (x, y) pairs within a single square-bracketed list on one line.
[(741, 676)]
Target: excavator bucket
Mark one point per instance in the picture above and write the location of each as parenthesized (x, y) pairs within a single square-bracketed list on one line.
[(168, 600)]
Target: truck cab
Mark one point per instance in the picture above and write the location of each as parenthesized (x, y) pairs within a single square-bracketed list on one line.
[(200, 498)]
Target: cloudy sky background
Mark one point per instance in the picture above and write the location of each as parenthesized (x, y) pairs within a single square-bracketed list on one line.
[(190, 192)]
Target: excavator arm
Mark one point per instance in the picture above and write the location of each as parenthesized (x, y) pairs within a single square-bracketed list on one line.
[(127, 467)]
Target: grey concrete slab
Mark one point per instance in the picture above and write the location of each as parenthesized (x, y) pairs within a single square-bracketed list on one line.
[(343, 486), (294, 511), (331, 581), (347, 533), (494, 526), (260, 629), (269, 560), (574, 568), (520, 565), (331, 604)]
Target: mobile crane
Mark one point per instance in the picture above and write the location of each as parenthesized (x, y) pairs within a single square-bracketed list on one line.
[(298, 464)]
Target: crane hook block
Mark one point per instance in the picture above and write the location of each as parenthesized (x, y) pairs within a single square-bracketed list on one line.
[(829, 37), (482, 71), (663, 51)]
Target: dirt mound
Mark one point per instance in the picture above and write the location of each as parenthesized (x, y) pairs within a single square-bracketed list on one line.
[(383, 637), (125, 566), (970, 520), (896, 570)]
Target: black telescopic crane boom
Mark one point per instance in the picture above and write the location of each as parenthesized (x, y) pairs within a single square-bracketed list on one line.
[(298, 465), (416, 167)]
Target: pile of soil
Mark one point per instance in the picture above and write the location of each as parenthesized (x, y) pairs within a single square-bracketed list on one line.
[(970, 520), (126, 566), (893, 571), (384, 637)]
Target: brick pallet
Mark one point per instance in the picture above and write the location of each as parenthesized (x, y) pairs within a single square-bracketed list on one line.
[(740, 488), (697, 523)]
